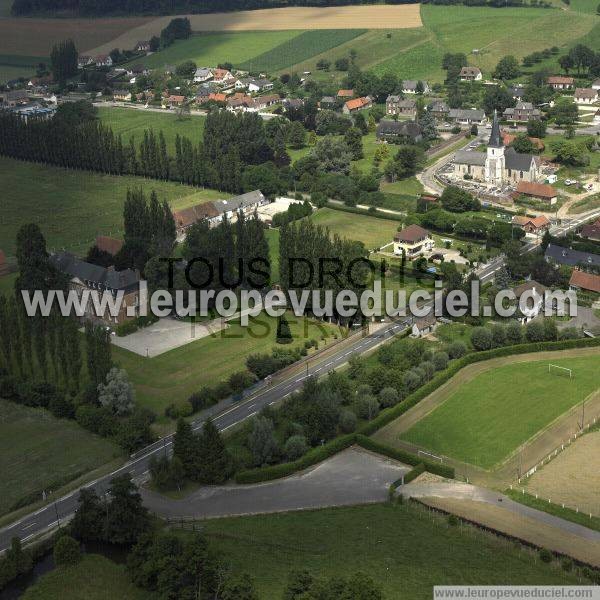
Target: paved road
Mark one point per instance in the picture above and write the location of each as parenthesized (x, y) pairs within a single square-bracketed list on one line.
[(353, 476)]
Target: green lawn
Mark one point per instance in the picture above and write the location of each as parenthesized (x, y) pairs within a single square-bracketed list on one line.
[(210, 49), (94, 578), (402, 547), (39, 452), (372, 231), (586, 204), (13, 66), (7, 283), (72, 207), (175, 375), (272, 236), (498, 410), (129, 122)]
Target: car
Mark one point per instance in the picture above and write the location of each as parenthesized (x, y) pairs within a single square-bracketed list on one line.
[(569, 182), (589, 187)]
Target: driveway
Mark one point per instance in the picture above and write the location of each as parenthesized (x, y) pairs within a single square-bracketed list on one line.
[(353, 476), (166, 334)]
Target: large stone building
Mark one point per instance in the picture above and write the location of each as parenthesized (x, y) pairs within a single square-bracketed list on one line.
[(499, 165)]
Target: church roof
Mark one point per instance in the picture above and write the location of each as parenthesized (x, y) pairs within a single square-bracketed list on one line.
[(518, 162), (463, 157), (495, 137)]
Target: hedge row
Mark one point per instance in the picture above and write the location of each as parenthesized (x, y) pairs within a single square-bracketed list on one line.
[(361, 438), (405, 457), (414, 473)]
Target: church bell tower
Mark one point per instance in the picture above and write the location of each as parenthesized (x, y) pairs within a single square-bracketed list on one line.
[(495, 161)]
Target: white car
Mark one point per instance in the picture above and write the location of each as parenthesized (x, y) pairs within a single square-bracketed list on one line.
[(570, 181)]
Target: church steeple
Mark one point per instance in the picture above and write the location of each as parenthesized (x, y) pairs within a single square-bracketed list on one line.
[(495, 137)]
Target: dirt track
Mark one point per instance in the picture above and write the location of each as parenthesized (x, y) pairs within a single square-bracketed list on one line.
[(380, 16)]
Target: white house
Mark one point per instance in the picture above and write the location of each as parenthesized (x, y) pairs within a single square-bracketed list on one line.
[(586, 96), (470, 74), (260, 85), (530, 297), (202, 74), (424, 325), (103, 60)]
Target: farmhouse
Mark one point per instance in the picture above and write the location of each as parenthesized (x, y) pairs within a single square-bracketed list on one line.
[(522, 112), (424, 326), (586, 96), (499, 164), (414, 87), (86, 276), (413, 241), (584, 281), (185, 218), (395, 105), (540, 191), (572, 258), (467, 116), (3, 264), (470, 74), (591, 231), (559, 82), (122, 96), (399, 132), (533, 303), (356, 105), (247, 203)]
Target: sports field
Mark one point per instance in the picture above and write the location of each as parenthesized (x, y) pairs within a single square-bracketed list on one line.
[(40, 452), (128, 122), (73, 207), (496, 411)]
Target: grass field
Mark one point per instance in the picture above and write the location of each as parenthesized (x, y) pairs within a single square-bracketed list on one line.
[(13, 66), (173, 376), (500, 409), (40, 452), (372, 231), (403, 548), (129, 122), (94, 578), (72, 207)]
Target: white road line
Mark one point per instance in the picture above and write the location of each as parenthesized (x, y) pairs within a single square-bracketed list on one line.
[(28, 526)]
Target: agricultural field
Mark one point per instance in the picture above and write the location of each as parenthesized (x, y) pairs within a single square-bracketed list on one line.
[(93, 578), (390, 543), (175, 375), (499, 409), (128, 122), (39, 452), (73, 207)]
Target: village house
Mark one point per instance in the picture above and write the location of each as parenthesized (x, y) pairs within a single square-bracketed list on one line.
[(142, 46), (345, 94), (522, 112), (470, 74), (517, 91), (539, 191), (293, 103), (588, 282), (242, 83), (586, 96), (439, 109), (467, 116), (174, 101), (86, 276), (186, 217), (4, 270), (356, 105), (591, 231), (596, 85), (572, 258), (121, 95), (413, 241), (395, 105), (14, 98), (223, 77), (84, 61), (532, 225), (559, 82), (534, 301), (103, 60), (260, 85), (424, 325), (327, 103), (262, 102), (202, 74), (247, 203), (412, 87), (239, 102), (399, 132)]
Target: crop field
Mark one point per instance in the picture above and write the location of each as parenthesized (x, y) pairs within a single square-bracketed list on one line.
[(390, 543), (175, 375), (73, 207), (39, 452), (13, 66), (499, 409), (129, 122)]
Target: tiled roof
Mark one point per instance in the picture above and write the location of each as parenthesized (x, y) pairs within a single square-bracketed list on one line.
[(411, 234), (585, 281), (541, 190)]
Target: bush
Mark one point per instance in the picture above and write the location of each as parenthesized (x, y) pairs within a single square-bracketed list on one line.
[(566, 564), (481, 338), (388, 396), (440, 361), (452, 520), (66, 551), (457, 350), (367, 407), (347, 421), (295, 447), (126, 328), (414, 473), (545, 555)]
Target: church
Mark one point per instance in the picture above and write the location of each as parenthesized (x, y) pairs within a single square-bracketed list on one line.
[(499, 165)]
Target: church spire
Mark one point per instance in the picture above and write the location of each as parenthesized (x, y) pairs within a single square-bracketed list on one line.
[(495, 137)]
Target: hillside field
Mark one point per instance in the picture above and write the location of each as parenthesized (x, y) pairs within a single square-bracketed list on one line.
[(499, 409), (73, 207), (38, 451)]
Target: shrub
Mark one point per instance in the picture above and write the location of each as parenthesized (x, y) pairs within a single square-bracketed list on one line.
[(457, 350), (414, 473), (66, 551), (566, 564), (452, 520), (440, 361), (388, 396), (367, 407), (295, 447), (481, 338), (545, 555), (347, 421), (126, 328)]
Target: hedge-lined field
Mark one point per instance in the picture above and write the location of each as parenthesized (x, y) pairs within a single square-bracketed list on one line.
[(498, 410)]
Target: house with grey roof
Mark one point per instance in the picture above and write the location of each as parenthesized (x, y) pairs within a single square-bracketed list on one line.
[(559, 255), (396, 105), (202, 74), (522, 112), (399, 132), (247, 203), (410, 86), (467, 116), (260, 85)]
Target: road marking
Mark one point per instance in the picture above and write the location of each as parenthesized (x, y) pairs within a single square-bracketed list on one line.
[(28, 526)]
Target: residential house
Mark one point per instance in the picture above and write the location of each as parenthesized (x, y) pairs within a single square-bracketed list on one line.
[(142, 46), (588, 282), (424, 325), (262, 102), (138, 70), (260, 85), (517, 91), (247, 203), (539, 191), (591, 231), (533, 303), (327, 103), (470, 74), (223, 77), (202, 74), (413, 241), (586, 96), (84, 61), (439, 109), (596, 85), (175, 101), (14, 98), (103, 60), (532, 225), (410, 87), (240, 102), (399, 132), (467, 116), (572, 258), (242, 83), (121, 95), (3, 264), (293, 103), (185, 218), (559, 82), (86, 276), (108, 244), (343, 94), (356, 105), (522, 112), (396, 105), (212, 97)]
